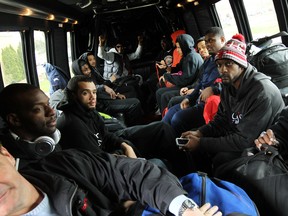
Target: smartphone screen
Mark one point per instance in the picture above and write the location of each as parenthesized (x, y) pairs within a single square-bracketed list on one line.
[(181, 141)]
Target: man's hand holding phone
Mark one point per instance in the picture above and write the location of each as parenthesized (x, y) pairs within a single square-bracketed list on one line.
[(193, 140)]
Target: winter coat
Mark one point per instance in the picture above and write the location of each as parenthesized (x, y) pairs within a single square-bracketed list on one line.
[(82, 183), (188, 68), (242, 114)]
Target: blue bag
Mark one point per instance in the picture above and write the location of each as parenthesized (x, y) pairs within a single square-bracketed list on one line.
[(230, 198)]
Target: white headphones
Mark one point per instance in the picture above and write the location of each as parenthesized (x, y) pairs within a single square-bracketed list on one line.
[(41, 146)]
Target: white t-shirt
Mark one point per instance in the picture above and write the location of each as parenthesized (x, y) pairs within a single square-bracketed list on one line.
[(44, 208)]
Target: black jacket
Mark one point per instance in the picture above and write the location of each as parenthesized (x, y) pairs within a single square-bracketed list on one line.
[(189, 64), (70, 176), (84, 129), (242, 114)]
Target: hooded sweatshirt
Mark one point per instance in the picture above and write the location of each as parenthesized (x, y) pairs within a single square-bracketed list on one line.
[(83, 128), (189, 65), (176, 56), (243, 114)]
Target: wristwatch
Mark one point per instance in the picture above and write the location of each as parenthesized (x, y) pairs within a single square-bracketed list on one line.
[(187, 204)]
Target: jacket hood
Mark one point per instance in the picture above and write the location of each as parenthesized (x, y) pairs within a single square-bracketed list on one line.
[(186, 43), (75, 67), (248, 80), (84, 56), (49, 68)]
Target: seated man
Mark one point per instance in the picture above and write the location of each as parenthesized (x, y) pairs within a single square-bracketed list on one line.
[(116, 61), (109, 101), (80, 124), (250, 103), (186, 72), (82, 128), (81, 183)]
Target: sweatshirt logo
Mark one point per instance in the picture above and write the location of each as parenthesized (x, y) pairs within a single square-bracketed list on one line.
[(98, 139), (236, 117)]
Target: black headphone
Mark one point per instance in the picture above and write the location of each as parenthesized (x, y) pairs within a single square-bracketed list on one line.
[(42, 146)]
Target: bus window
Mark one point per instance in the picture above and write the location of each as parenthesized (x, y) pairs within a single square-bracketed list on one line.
[(41, 59), (69, 51), (262, 18), (227, 19), (11, 58)]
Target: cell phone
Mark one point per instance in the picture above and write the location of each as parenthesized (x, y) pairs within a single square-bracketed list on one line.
[(181, 141)]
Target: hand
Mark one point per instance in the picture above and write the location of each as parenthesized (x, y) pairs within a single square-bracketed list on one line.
[(161, 64), (120, 96), (189, 91), (113, 78), (267, 137), (205, 210), (194, 140), (196, 133), (102, 40), (183, 91), (110, 91), (128, 150), (205, 93), (184, 104)]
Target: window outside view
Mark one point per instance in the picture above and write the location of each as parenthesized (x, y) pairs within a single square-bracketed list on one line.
[(262, 18), (41, 59), (261, 15), (227, 19), (11, 58), (69, 51)]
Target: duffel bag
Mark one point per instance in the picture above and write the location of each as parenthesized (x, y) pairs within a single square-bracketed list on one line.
[(271, 60), (264, 176)]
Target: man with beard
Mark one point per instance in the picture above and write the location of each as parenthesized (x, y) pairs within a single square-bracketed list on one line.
[(250, 103)]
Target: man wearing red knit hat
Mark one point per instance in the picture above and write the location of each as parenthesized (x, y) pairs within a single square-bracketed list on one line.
[(250, 103)]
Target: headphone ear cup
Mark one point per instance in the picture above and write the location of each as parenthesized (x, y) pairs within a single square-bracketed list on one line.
[(44, 145), (56, 136)]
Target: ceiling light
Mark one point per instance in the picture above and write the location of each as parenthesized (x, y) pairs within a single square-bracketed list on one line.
[(50, 17), (26, 12)]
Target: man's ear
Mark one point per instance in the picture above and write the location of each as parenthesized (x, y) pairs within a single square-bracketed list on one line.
[(13, 119), (223, 39)]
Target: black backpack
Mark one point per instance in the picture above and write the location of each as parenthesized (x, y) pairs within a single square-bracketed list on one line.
[(271, 60)]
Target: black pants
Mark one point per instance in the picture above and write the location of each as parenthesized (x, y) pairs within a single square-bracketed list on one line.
[(157, 140), (130, 107), (163, 95)]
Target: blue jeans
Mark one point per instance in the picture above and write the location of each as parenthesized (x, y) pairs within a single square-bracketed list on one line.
[(184, 120)]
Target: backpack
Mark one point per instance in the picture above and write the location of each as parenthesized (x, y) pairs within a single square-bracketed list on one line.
[(57, 77), (269, 59), (231, 199)]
